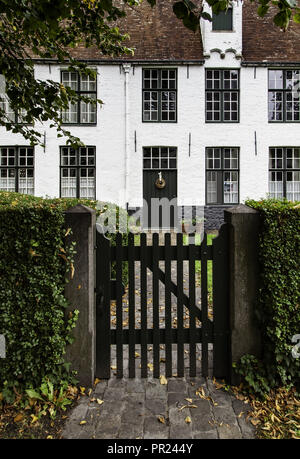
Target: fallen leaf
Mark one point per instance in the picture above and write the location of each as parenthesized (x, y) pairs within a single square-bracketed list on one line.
[(49, 437), (163, 380), (190, 400), (97, 381), (161, 419), (188, 420), (18, 418), (113, 367), (82, 422), (99, 401), (34, 418)]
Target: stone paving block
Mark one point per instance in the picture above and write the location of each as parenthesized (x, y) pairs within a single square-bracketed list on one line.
[(114, 394), (112, 408), (181, 432), (177, 385), (80, 411), (117, 383), (100, 387), (153, 429), (155, 407), (135, 385), (206, 435), (132, 431), (177, 399), (203, 408), (202, 423), (226, 415), (155, 390), (108, 426), (227, 432)]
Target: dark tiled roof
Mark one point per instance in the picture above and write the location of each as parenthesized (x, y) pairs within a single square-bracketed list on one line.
[(263, 41), (156, 34)]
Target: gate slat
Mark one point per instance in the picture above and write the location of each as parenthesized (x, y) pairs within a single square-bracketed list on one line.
[(180, 344), (119, 306), (131, 305), (144, 353), (221, 367), (192, 296), (168, 312), (204, 306), (103, 335), (155, 283)]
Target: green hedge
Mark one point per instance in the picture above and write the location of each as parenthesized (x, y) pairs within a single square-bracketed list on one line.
[(278, 304), (33, 266)]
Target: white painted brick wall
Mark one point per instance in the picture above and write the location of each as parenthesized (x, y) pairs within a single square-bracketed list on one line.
[(109, 134)]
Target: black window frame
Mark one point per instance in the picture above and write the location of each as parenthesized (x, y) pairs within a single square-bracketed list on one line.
[(78, 167), (160, 90), (80, 92), (17, 167), (160, 157), (284, 92), (218, 18), (222, 90), (220, 171), (284, 170)]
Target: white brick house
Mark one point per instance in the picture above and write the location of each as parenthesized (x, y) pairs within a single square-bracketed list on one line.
[(212, 126)]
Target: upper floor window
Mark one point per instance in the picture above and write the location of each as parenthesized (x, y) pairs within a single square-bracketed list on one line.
[(12, 115), (222, 175), (78, 172), (222, 21), (284, 173), (284, 94), (80, 112), (160, 95), (222, 96), (17, 169)]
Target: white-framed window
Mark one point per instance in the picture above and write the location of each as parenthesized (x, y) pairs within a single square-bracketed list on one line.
[(222, 175), (80, 112), (17, 169), (284, 173), (78, 172)]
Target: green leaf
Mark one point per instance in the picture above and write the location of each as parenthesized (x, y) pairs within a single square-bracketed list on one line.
[(33, 394), (180, 10)]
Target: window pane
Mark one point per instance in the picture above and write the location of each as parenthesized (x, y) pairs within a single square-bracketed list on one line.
[(68, 183), (222, 20), (87, 83), (275, 106), (230, 187), (7, 180), (87, 184), (212, 186), (275, 79), (88, 111), (71, 114), (293, 186), (276, 184), (70, 79)]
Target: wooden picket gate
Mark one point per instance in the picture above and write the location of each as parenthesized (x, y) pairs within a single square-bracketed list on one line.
[(155, 262)]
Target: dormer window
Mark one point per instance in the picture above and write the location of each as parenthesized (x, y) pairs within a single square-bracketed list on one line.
[(222, 21)]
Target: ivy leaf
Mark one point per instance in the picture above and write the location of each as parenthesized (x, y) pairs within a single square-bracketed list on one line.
[(180, 10)]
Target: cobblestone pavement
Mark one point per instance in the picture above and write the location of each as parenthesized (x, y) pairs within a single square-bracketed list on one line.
[(184, 408)]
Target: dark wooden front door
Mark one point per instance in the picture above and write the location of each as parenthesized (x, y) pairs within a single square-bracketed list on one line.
[(160, 204)]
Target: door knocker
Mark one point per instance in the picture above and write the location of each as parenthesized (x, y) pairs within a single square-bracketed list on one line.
[(160, 182)]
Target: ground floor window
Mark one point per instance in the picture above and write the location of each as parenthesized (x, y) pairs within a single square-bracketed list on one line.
[(17, 169), (284, 173), (78, 172), (222, 175)]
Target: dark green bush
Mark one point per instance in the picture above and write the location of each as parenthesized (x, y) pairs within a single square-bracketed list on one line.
[(33, 267), (278, 306)]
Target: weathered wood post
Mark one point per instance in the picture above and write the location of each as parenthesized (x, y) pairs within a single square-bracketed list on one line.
[(80, 292), (244, 223)]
